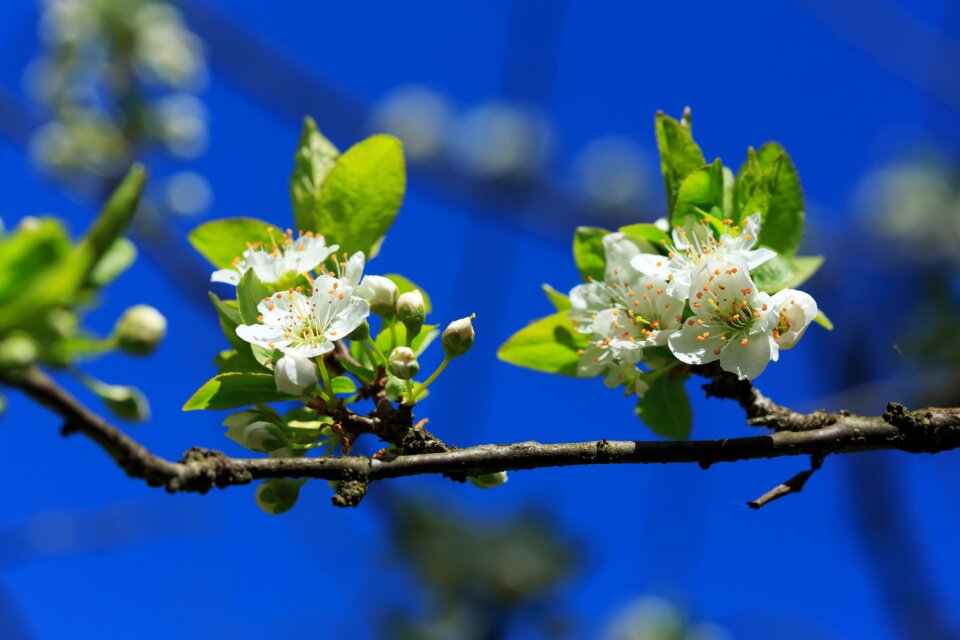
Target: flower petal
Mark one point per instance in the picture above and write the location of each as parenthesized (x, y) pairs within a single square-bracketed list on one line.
[(687, 345), (263, 335), (349, 319), (651, 264), (227, 276), (748, 360), (354, 269)]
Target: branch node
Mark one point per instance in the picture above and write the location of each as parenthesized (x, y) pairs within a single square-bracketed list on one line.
[(604, 450), (350, 491)]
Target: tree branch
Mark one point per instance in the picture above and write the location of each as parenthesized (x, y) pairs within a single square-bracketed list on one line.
[(817, 434)]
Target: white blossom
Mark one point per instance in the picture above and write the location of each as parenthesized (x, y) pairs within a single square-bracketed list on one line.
[(622, 315), (733, 322), (695, 244), (308, 326), (270, 264)]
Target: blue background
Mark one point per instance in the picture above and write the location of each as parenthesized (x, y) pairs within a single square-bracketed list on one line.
[(85, 552)]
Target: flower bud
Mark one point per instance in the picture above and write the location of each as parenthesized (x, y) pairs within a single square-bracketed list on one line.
[(380, 293), (362, 332), (403, 363), (412, 311), (127, 403), (17, 351), (458, 337), (277, 496), (489, 480), (796, 311), (140, 329), (260, 436), (294, 374)]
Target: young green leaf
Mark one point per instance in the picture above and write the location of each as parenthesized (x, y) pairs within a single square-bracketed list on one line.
[(665, 407), (768, 184), (38, 270), (361, 195), (229, 318), (782, 228), (250, 293), (232, 390), (549, 344), (112, 221), (560, 301), (785, 272), (343, 384), (702, 189), (588, 252), (649, 232), (233, 361), (679, 154), (312, 163), (222, 241)]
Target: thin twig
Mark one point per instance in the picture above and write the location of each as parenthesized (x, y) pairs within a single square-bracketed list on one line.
[(793, 485)]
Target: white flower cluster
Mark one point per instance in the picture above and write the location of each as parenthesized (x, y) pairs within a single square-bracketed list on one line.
[(304, 325), (699, 300)]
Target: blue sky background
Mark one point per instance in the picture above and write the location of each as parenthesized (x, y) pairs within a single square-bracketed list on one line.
[(158, 566)]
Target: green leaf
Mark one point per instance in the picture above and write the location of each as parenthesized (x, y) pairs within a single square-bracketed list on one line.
[(785, 272), (232, 361), (222, 241), (679, 155), (768, 184), (343, 384), (588, 252), (115, 261), (250, 293), (361, 195), (232, 390), (822, 320), (112, 222), (665, 408), (404, 285), (561, 302), (28, 252), (702, 189), (229, 318), (312, 163), (783, 226), (38, 270), (549, 344), (649, 232)]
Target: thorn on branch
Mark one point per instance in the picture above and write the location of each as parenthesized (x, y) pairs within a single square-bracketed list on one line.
[(793, 485)]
